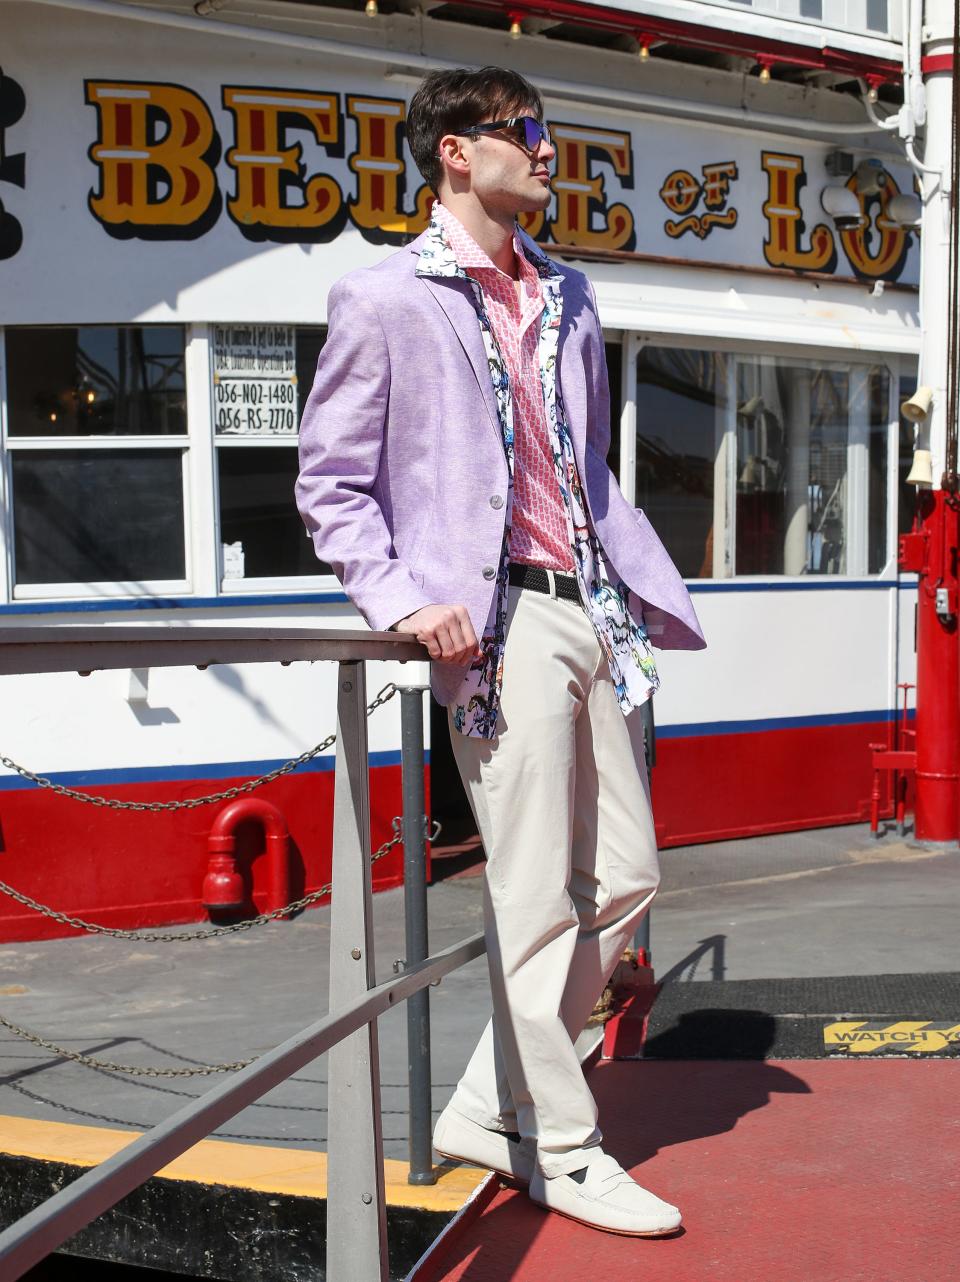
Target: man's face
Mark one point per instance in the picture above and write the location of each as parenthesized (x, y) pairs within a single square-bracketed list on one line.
[(505, 175)]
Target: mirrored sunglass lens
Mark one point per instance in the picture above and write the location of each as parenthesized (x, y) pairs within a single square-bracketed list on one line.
[(533, 133)]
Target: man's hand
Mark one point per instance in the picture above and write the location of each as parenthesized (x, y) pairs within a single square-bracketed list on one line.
[(445, 630)]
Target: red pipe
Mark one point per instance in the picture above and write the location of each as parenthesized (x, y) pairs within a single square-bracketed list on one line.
[(223, 885), (938, 671)]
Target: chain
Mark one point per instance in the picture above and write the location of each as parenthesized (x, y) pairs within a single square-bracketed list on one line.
[(211, 932), (191, 803), (204, 1070)]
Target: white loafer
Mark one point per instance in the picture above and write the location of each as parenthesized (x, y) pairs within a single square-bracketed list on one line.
[(464, 1140), (606, 1197)]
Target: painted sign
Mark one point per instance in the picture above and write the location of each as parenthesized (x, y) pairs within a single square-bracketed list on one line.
[(12, 166), (192, 175), (916, 1037)]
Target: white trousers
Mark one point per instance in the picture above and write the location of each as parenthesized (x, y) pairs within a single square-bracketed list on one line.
[(561, 801)]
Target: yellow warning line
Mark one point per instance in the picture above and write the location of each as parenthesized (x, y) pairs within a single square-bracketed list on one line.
[(299, 1172)]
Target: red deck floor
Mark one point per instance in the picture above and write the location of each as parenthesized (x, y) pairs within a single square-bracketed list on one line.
[(795, 1171)]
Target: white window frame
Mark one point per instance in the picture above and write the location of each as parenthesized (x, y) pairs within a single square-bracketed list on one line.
[(725, 474), (274, 584), (203, 556), (10, 590)]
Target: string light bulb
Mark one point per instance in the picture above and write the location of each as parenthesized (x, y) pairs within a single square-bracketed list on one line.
[(764, 73), (643, 50), (91, 396), (371, 8), (516, 30), (873, 92)]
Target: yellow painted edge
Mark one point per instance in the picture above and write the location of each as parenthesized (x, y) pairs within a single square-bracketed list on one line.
[(296, 1171)]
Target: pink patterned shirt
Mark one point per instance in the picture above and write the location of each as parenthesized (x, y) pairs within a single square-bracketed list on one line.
[(538, 534)]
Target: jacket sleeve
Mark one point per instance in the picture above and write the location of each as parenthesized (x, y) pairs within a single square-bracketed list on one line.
[(341, 439)]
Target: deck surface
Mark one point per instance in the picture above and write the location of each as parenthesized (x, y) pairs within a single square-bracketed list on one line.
[(798, 1171)]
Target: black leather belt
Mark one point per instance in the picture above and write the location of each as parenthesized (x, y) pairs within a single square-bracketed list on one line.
[(537, 579)]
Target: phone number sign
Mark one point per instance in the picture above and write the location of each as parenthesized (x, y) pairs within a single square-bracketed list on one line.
[(255, 380)]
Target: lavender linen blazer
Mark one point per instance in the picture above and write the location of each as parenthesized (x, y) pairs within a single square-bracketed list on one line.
[(403, 470)]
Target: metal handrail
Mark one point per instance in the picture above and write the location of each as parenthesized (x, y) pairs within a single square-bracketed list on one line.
[(356, 1206)]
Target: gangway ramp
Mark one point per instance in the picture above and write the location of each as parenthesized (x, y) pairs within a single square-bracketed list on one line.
[(839, 1168)]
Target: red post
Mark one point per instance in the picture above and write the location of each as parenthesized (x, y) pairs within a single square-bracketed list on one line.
[(938, 671)]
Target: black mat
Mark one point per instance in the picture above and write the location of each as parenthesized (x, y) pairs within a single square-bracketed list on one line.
[(786, 1018)]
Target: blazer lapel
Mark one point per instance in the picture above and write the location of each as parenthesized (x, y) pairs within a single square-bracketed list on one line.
[(452, 293), (572, 384)]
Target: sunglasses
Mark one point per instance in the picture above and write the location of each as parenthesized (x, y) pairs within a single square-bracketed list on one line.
[(526, 132)]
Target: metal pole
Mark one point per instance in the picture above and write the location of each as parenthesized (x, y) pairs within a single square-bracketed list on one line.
[(641, 938), (415, 918), (938, 661), (356, 1206)]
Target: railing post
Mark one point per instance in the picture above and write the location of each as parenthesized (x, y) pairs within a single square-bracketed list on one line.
[(415, 917), (356, 1210), (641, 937)]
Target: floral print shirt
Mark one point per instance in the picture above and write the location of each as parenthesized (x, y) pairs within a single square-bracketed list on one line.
[(622, 638)]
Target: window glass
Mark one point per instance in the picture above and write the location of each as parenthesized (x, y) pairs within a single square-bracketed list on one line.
[(614, 354), (791, 468), (679, 420), (261, 532), (906, 494), (96, 380), (309, 341), (878, 394), (811, 467), (260, 527), (97, 515)]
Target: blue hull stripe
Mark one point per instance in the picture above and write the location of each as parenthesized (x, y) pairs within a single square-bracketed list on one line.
[(701, 729), (250, 769), (110, 605), (198, 771)]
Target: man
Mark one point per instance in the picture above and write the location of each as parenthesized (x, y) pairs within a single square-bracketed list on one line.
[(453, 474)]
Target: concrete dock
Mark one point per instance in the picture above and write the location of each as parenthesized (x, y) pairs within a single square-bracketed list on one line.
[(803, 905)]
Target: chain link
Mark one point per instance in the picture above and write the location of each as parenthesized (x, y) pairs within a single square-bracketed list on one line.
[(204, 1070), (210, 932), (78, 923), (191, 803)]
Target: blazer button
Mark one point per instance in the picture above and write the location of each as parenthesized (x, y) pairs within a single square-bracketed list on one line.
[(489, 572), (496, 501)]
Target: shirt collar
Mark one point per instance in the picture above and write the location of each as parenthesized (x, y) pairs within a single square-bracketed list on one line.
[(448, 249)]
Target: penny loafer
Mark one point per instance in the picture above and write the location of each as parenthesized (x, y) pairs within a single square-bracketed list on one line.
[(464, 1140), (606, 1197)]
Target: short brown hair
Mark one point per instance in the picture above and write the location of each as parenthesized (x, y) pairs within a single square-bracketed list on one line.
[(449, 102)]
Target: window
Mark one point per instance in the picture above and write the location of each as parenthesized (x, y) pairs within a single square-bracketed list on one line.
[(680, 411), (262, 377), (764, 465), (96, 436), (906, 493), (613, 351)]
